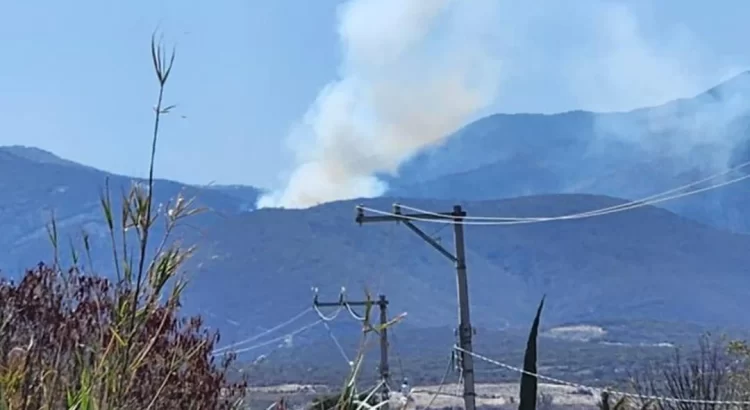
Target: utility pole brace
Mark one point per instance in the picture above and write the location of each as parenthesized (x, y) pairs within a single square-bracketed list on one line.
[(465, 331)]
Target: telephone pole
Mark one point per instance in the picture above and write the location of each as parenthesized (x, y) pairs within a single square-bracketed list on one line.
[(465, 331), (384, 368), (385, 371)]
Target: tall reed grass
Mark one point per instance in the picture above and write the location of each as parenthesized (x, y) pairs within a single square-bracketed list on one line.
[(72, 338)]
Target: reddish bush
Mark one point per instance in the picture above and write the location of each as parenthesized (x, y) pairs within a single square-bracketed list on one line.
[(64, 340)]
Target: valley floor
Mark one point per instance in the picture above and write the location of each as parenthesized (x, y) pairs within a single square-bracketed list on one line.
[(489, 395)]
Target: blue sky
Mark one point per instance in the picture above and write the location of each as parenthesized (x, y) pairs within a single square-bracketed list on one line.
[(76, 77)]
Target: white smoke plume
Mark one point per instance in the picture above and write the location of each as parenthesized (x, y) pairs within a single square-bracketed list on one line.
[(413, 72), (625, 69)]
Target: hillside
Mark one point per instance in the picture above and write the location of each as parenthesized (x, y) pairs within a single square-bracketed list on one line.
[(628, 155), (36, 183), (645, 264)]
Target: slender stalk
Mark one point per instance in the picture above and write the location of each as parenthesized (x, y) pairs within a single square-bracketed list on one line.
[(162, 73)]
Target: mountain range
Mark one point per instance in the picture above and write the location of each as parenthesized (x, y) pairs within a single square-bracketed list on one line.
[(684, 262), (628, 155), (643, 264)]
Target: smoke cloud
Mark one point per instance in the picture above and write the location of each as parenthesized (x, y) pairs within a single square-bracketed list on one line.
[(612, 57), (624, 69), (413, 71)]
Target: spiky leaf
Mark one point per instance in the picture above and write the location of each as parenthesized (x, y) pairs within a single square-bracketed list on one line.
[(529, 382)]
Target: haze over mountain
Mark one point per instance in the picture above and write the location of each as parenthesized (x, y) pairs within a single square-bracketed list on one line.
[(630, 155), (256, 268)]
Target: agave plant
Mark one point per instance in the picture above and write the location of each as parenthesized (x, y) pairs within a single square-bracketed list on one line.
[(528, 391)]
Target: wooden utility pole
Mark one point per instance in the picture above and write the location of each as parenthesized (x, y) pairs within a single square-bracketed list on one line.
[(465, 331), (385, 371), (382, 304)]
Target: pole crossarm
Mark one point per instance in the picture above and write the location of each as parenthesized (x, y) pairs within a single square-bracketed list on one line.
[(343, 303), (458, 258), (406, 219), (382, 304), (398, 216)]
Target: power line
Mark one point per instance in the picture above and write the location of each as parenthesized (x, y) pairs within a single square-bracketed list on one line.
[(338, 345), (440, 387), (327, 318), (441, 218), (269, 342), (352, 313), (655, 198), (610, 391), (271, 330)]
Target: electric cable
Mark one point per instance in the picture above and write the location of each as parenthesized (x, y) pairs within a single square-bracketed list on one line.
[(447, 219), (592, 388), (278, 339), (264, 333), (338, 345), (626, 204)]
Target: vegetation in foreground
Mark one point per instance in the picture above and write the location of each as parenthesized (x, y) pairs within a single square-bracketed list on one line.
[(71, 338)]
